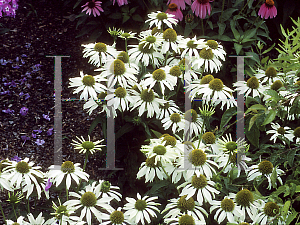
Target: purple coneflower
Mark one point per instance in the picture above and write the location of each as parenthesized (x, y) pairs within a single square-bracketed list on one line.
[(120, 2), (267, 10), (48, 185), (173, 9), (180, 3), (200, 7), (92, 6)]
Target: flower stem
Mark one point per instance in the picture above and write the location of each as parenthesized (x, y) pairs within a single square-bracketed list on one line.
[(15, 211), (2, 211), (67, 193), (28, 207), (223, 4), (85, 160), (126, 44), (202, 27)]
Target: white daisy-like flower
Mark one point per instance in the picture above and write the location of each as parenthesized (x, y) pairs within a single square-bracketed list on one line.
[(151, 41), (150, 170), (200, 188), (264, 168), (279, 131), (193, 123), (217, 49), (92, 104), (23, 175), (251, 88), (245, 203), (127, 35), (145, 55), (146, 100), (191, 46), (118, 71), (184, 204), (99, 53), (88, 200), (62, 215), (3, 180), (269, 212), (89, 85), (197, 162), (170, 41), (68, 170), (168, 109), (161, 78), (39, 220), (159, 18), (89, 146), (184, 218), (115, 217), (108, 190), (163, 154), (120, 99), (175, 121), (269, 76), (141, 210), (214, 91), (20, 220), (226, 209)]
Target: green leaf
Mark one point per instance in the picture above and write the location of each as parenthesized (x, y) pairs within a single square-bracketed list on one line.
[(250, 33), (234, 31), (249, 100), (285, 208), (132, 10), (85, 30), (264, 60), (81, 20), (227, 14), (238, 48), (137, 17), (274, 178), (156, 133), (291, 157), (228, 114), (224, 38), (98, 119), (124, 129), (270, 117), (291, 217), (252, 120), (258, 107), (283, 31), (115, 16), (237, 2), (269, 49), (253, 134), (211, 25), (125, 18), (222, 27), (77, 3), (279, 190)]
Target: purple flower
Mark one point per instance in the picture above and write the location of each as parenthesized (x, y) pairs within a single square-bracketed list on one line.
[(40, 142), (33, 135), (25, 138), (48, 82), (27, 45), (4, 92), (48, 185), (23, 111), (39, 131), (46, 117), (16, 158), (21, 93), (3, 62), (15, 66), (50, 132), (23, 80), (13, 83), (23, 55), (27, 96), (8, 111)]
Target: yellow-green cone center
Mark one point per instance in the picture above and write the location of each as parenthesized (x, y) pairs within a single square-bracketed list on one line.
[(88, 145), (123, 56), (297, 132), (100, 47), (227, 205), (175, 71), (67, 167), (212, 44), (102, 95), (199, 182), (140, 204), (206, 54), (61, 210), (244, 198), (197, 157), (265, 167), (88, 199), (88, 80), (185, 205), (209, 138), (253, 83), (162, 16), (175, 118), (281, 131), (151, 39), (165, 105), (231, 146), (125, 35), (186, 220), (150, 162), (147, 95), (159, 75), (216, 84), (160, 150), (116, 217), (15, 223), (155, 31), (191, 115), (271, 209), (118, 67), (170, 140), (276, 85), (105, 186), (143, 47), (170, 35), (190, 44), (120, 92), (206, 79), (22, 167), (271, 72)]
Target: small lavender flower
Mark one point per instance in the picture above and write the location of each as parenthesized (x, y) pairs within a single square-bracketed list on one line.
[(25, 138), (46, 117), (27, 45), (4, 92), (24, 55), (48, 185), (8, 111), (16, 158), (40, 142), (23, 111), (3, 62), (39, 131), (21, 93), (33, 135), (50, 132), (13, 83), (27, 96)]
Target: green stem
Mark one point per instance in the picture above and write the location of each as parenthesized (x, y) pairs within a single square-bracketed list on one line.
[(202, 27), (243, 8), (201, 133), (28, 207), (2, 212), (15, 212), (223, 5), (126, 44), (67, 193)]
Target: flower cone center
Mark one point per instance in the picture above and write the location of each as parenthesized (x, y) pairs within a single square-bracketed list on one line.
[(118, 67), (175, 71), (22, 167), (147, 95), (191, 115), (227, 205), (175, 118), (231, 146), (271, 72), (123, 56), (162, 16), (209, 137), (150, 162), (151, 39), (276, 85), (281, 131), (244, 198), (144, 49), (185, 205), (271, 209), (170, 35), (206, 79), (140, 204), (120, 92), (88, 145), (212, 44), (160, 150), (197, 157), (100, 47), (117, 217), (88, 199), (206, 54), (199, 182), (190, 44), (186, 220), (67, 167), (216, 84), (253, 83), (172, 7), (88, 80), (265, 167), (105, 186), (159, 75), (297, 132)]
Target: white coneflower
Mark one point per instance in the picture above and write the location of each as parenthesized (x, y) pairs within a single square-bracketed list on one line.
[(191, 46), (175, 121), (279, 131), (89, 146), (159, 18), (250, 88), (108, 190), (119, 99), (170, 41), (115, 217)]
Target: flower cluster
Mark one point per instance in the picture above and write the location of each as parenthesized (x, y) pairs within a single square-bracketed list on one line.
[(8, 8)]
